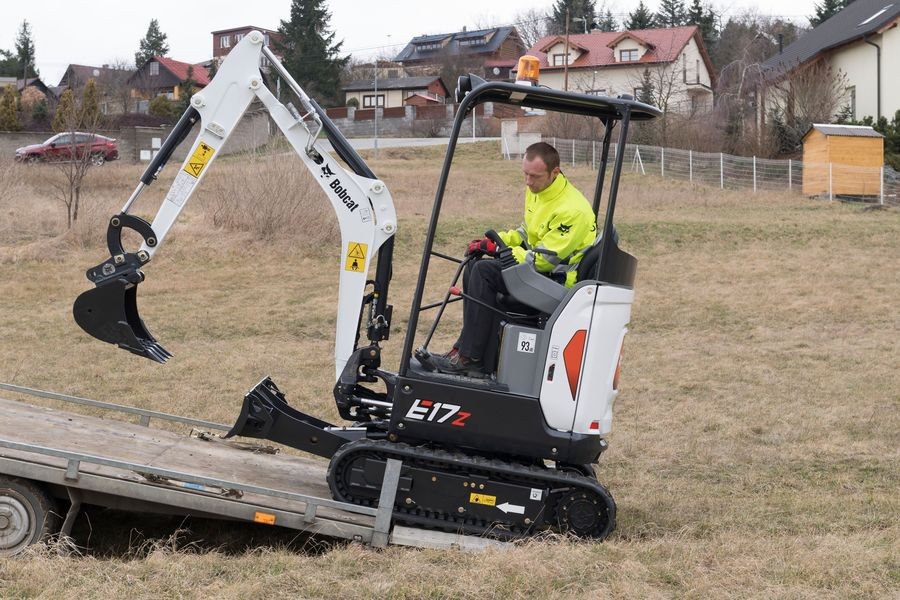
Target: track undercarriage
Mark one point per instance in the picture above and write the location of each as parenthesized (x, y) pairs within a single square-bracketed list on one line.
[(473, 494)]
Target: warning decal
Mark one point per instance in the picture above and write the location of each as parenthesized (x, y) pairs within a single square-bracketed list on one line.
[(356, 257), (483, 499), (201, 156)]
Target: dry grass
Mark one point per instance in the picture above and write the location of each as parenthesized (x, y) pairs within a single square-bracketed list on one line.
[(755, 444)]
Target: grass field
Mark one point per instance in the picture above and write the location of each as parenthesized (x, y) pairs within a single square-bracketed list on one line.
[(756, 435)]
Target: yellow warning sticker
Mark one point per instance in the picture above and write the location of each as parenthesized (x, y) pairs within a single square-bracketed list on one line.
[(201, 156), (483, 499), (264, 518), (356, 257)]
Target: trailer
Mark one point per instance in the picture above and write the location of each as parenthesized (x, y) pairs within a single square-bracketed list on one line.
[(52, 462)]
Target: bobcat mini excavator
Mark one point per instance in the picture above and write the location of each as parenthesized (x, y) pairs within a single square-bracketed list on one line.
[(508, 455)]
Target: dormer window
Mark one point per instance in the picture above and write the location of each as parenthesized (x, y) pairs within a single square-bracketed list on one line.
[(628, 55), (154, 68), (225, 41), (559, 59)]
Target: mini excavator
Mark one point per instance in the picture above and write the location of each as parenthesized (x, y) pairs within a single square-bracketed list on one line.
[(508, 455)]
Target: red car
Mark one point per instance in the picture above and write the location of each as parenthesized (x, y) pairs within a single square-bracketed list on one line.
[(60, 147)]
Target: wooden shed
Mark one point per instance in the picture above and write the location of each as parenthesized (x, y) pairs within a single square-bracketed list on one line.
[(842, 160)]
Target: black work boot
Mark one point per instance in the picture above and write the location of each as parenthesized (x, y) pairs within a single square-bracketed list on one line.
[(454, 363)]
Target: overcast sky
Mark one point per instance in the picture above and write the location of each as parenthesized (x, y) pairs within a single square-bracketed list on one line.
[(106, 31)]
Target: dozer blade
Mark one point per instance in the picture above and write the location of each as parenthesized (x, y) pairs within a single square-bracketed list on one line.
[(109, 313)]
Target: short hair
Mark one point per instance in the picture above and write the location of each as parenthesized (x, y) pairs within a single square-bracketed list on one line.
[(545, 152)]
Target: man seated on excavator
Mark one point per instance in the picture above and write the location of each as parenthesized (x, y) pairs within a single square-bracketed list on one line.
[(559, 227)]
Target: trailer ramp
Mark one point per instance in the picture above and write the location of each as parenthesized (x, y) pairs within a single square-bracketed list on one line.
[(132, 466)]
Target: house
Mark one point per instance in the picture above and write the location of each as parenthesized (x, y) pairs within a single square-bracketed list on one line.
[(163, 76), (859, 42), (397, 91), (226, 39), (674, 60), (112, 85), (492, 53)]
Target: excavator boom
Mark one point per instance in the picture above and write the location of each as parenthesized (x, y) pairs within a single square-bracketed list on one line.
[(362, 203)]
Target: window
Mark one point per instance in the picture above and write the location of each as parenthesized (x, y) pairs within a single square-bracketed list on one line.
[(628, 55), (684, 68), (224, 42), (559, 59), (698, 70), (154, 68), (369, 101), (601, 92), (238, 37)]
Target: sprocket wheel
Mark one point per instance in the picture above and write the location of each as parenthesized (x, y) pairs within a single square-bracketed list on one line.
[(586, 514)]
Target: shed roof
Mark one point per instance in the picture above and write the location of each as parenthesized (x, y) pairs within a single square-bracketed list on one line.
[(844, 130)]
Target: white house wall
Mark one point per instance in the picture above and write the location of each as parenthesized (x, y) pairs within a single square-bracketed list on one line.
[(857, 63)]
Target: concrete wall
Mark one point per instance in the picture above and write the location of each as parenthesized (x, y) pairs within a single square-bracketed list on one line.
[(252, 131)]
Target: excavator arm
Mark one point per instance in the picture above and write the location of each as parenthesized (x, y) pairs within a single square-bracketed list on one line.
[(362, 203)]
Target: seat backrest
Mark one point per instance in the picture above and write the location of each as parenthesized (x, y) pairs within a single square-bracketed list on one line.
[(587, 267)]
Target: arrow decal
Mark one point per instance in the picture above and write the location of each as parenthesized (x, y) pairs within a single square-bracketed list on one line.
[(511, 508)]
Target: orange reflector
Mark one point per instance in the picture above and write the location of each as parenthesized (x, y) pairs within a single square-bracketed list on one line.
[(572, 355), (618, 366), (264, 518), (529, 70)]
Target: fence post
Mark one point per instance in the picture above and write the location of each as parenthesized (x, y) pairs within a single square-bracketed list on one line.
[(754, 174), (881, 191), (830, 184), (593, 154), (573, 152), (721, 170), (790, 175), (691, 165), (662, 162)]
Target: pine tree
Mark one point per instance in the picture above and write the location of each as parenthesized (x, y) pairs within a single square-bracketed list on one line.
[(25, 51), (641, 18), (66, 113), (153, 44), (583, 9), (9, 115), (607, 22), (188, 89), (704, 17), (647, 91), (310, 53), (89, 115), (671, 13), (826, 10)]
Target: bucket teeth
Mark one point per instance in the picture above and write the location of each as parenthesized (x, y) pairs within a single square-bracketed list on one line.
[(109, 313)]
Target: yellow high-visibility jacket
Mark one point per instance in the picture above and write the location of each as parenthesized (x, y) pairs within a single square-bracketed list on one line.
[(558, 219)]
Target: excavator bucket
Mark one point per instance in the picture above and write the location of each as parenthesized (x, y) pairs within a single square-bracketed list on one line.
[(109, 313)]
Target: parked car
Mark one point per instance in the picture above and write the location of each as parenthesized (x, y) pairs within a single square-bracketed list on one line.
[(60, 147)]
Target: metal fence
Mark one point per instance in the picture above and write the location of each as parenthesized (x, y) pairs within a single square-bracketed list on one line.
[(829, 180)]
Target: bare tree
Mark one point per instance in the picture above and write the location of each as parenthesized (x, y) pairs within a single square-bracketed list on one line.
[(805, 95), (115, 85), (78, 125), (531, 25)]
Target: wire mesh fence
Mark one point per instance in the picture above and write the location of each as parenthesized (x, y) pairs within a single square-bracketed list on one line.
[(832, 181)]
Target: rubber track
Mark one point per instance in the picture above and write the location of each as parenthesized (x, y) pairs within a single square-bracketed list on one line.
[(442, 461)]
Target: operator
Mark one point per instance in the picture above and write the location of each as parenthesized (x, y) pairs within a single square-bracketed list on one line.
[(559, 226)]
